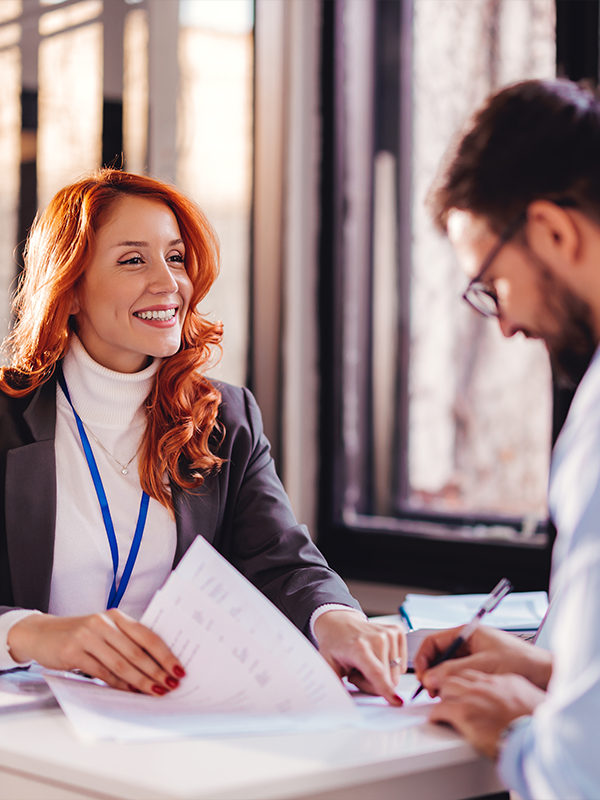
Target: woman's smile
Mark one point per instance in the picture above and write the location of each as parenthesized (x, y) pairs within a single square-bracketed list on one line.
[(157, 315)]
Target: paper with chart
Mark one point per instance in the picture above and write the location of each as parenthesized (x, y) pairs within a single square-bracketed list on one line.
[(247, 666)]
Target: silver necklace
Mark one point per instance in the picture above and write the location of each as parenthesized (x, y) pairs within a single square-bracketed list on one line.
[(124, 467)]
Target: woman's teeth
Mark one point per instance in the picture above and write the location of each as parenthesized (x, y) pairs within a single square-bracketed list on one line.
[(158, 315)]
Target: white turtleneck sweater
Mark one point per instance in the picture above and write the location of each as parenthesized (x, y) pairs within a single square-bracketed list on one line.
[(110, 405)]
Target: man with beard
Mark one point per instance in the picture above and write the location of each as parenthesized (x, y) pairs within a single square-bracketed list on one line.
[(519, 198)]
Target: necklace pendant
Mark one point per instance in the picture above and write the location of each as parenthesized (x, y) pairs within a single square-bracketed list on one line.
[(124, 471)]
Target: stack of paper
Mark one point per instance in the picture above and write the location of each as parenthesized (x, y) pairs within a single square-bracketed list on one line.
[(248, 670), (247, 667)]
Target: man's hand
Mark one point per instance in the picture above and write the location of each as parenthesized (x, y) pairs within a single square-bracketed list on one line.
[(111, 646), (479, 706), (488, 650), (362, 651)]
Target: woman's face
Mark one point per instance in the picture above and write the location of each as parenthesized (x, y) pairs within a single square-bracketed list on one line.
[(135, 291)]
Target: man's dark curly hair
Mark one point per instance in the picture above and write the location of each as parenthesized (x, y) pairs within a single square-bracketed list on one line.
[(533, 140)]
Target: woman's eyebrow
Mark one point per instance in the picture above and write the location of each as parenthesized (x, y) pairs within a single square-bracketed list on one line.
[(130, 244), (172, 243)]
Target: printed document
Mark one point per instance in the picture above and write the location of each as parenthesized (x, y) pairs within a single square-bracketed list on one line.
[(247, 666)]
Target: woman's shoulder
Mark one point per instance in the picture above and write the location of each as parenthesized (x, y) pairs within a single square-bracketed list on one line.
[(238, 407), (15, 406), (28, 417), (229, 392), (234, 399)]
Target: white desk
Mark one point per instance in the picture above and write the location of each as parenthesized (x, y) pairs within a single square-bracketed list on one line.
[(41, 758)]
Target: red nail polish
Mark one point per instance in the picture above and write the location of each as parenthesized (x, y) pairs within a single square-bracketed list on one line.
[(159, 690), (179, 671), (133, 689), (401, 703), (172, 683)]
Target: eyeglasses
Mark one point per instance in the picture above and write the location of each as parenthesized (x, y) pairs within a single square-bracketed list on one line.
[(480, 295)]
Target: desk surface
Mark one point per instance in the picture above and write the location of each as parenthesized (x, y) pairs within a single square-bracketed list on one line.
[(41, 758)]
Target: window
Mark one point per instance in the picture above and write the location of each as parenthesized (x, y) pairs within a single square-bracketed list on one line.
[(139, 85), (436, 432)]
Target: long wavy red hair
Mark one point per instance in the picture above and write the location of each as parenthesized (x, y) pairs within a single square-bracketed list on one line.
[(183, 405)]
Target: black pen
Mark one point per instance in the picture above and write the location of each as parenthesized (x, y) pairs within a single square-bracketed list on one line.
[(489, 604)]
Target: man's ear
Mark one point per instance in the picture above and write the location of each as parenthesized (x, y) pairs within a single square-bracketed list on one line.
[(553, 234)]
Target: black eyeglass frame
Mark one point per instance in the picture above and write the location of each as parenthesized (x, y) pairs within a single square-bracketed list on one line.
[(478, 294)]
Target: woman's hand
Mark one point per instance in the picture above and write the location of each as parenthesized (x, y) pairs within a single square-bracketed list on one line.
[(480, 706), (362, 651), (111, 646), (487, 650)]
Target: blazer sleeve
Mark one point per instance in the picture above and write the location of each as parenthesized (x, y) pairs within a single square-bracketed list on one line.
[(259, 534)]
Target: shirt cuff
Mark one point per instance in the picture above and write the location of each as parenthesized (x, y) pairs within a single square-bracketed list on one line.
[(513, 747), (320, 610), (7, 620)]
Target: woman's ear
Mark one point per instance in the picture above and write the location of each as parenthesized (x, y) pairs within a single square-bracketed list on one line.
[(75, 306), (553, 234)]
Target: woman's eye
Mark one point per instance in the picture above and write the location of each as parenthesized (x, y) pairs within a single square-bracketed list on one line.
[(176, 258), (134, 260)]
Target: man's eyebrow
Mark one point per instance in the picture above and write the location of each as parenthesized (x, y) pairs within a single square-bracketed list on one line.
[(128, 243)]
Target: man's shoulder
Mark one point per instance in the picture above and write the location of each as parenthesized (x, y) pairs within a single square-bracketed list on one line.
[(583, 419)]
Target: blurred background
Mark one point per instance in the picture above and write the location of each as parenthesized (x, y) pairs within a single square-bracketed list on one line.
[(411, 439)]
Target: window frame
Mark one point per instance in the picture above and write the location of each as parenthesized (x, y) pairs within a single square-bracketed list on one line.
[(432, 551)]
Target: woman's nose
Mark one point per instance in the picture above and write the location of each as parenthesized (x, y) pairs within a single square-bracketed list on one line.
[(161, 279)]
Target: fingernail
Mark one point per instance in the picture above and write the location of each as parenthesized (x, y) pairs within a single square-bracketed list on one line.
[(172, 683), (133, 689), (179, 671), (160, 690), (400, 700)]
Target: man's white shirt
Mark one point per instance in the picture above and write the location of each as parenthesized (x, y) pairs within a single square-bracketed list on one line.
[(555, 753)]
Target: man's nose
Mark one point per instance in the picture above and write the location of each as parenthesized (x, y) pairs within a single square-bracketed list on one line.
[(507, 326)]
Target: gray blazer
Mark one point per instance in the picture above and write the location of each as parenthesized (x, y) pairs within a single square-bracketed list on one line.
[(242, 510)]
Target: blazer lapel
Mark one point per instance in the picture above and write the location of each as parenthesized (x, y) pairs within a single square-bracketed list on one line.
[(31, 504)]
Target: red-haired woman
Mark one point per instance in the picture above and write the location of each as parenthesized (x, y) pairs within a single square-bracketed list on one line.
[(116, 451)]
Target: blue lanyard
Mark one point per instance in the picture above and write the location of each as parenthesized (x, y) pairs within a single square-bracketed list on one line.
[(116, 593)]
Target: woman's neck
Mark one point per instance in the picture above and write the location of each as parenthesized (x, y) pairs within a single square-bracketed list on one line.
[(102, 396)]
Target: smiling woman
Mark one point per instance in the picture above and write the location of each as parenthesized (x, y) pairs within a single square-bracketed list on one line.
[(118, 451)]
